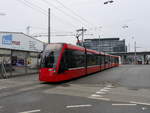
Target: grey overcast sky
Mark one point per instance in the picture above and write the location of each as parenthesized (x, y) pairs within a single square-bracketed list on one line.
[(69, 15)]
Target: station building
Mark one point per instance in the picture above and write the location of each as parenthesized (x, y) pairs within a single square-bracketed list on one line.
[(18, 54)]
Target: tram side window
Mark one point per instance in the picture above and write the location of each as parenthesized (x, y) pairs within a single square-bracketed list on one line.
[(116, 60), (102, 59), (92, 59), (112, 59), (109, 60), (98, 60), (75, 58), (106, 59)]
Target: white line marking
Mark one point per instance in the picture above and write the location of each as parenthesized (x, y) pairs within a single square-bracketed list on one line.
[(32, 111), (75, 106), (96, 95), (144, 108), (148, 104), (2, 88), (107, 88), (105, 99), (110, 86), (30, 88), (124, 104), (100, 92), (104, 90)]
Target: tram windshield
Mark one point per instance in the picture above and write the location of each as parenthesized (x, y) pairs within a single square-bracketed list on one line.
[(50, 55)]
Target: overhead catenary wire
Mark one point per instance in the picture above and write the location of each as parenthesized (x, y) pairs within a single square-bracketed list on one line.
[(65, 13), (31, 6), (42, 11), (72, 11), (46, 11)]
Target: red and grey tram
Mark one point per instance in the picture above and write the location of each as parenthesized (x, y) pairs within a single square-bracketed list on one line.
[(61, 61)]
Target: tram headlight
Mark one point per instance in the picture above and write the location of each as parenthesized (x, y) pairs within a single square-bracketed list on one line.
[(50, 69)]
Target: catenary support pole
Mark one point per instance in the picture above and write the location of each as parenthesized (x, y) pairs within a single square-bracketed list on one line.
[(49, 24)]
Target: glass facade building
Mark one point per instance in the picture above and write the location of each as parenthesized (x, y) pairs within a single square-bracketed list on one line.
[(109, 45)]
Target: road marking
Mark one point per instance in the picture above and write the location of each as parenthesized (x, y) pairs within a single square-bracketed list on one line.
[(148, 104), (124, 104), (96, 95), (107, 88), (30, 88), (110, 86), (104, 90), (105, 99), (32, 111), (100, 92), (2, 88), (75, 106), (144, 108)]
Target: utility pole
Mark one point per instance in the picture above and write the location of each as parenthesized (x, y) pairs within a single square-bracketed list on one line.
[(49, 24), (82, 33), (135, 52), (82, 36), (99, 44)]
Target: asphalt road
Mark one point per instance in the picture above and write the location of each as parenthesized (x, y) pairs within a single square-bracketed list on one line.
[(131, 76), (123, 89)]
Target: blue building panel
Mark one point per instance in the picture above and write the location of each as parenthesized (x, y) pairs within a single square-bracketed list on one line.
[(7, 39)]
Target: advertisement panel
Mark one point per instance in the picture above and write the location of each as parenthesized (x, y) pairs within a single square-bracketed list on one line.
[(20, 41)]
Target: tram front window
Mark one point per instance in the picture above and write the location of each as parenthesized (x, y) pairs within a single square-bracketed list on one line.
[(50, 55)]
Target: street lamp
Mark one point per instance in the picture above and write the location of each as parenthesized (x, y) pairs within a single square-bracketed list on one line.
[(125, 26), (2, 14), (109, 1), (134, 50), (99, 48)]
